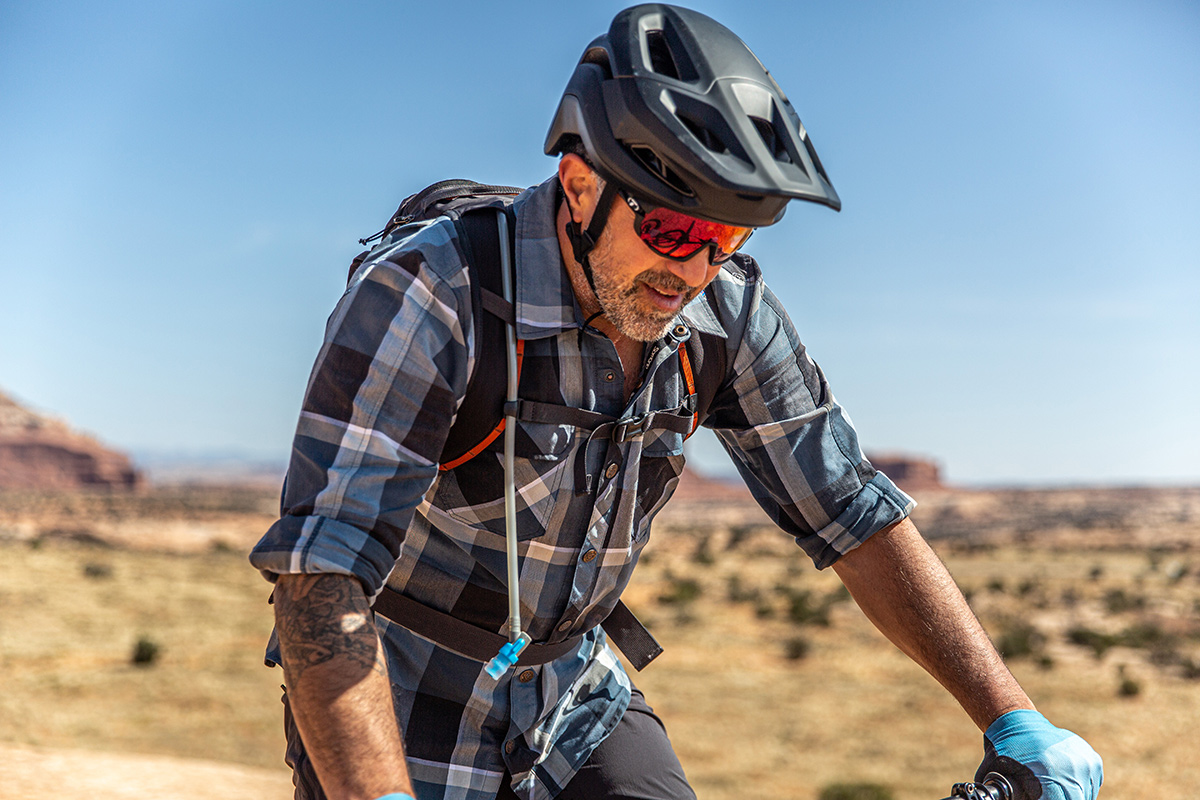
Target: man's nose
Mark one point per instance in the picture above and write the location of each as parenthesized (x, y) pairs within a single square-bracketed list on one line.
[(694, 271)]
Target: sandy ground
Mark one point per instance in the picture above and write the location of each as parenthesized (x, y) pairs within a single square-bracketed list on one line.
[(1127, 532), (32, 773)]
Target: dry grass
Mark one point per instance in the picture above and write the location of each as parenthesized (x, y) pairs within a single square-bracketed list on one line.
[(772, 684), (66, 645)]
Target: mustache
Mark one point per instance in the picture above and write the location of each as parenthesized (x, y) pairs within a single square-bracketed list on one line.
[(666, 283)]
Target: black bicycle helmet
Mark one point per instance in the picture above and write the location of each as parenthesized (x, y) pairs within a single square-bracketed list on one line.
[(673, 106)]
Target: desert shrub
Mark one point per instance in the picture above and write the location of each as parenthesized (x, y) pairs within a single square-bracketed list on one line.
[(1098, 642), (1190, 669), (222, 547), (1028, 587), (1128, 687), (1165, 653), (703, 553), (97, 571), (145, 652), (1096, 572), (680, 591), (737, 535), (855, 791), (996, 586), (738, 593), (796, 648), (1020, 640), (804, 610), (1117, 601), (1143, 635), (763, 609)]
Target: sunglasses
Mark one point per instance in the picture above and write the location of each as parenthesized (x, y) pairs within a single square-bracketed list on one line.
[(679, 237)]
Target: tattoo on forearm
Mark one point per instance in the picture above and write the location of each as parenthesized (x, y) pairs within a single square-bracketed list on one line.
[(322, 618)]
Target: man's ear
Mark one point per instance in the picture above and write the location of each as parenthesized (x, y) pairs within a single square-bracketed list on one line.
[(579, 185)]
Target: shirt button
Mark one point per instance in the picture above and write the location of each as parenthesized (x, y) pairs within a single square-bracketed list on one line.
[(565, 626), (526, 676), (610, 376), (611, 472), (590, 555), (510, 746)]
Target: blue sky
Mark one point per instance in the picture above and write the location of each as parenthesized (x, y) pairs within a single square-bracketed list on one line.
[(1012, 287)]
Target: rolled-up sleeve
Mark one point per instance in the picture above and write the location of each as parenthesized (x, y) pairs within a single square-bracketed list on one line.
[(379, 403), (792, 443)]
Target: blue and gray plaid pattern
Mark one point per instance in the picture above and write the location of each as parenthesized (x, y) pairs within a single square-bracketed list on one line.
[(364, 496)]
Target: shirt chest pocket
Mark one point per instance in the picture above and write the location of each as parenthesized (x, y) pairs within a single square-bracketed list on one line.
[(661, 465), (473, 493)]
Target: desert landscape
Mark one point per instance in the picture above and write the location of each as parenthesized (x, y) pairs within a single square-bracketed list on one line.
[(132, 629)]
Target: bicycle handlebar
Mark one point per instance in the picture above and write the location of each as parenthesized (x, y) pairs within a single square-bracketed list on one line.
[(994, 786)]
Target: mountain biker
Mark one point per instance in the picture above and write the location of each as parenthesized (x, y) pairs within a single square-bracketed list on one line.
[(674, 145)]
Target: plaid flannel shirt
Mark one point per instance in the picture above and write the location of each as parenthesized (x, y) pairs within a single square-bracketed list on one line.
[(364, 496)]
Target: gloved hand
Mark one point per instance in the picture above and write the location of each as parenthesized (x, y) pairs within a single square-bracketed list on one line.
[(1040, 760)]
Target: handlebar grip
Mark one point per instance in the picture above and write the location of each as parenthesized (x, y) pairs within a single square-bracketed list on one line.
[(994, 786)]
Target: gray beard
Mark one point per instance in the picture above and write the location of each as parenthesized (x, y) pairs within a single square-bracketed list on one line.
[(620, 302)]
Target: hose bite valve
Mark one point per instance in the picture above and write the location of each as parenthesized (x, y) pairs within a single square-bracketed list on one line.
[(507, 656)]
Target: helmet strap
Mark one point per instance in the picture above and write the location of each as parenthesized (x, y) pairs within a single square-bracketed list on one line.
[(582, 241)]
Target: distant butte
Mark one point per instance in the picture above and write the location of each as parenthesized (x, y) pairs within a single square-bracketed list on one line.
[(909, 473), (38, 452)]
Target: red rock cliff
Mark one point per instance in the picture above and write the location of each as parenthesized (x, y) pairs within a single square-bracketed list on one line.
[(41, 453)]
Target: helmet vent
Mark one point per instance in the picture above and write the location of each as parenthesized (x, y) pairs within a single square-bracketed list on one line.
[(705, 135), (650, 160), (664, 53), (813, 154), (661, 60), (774, 143)]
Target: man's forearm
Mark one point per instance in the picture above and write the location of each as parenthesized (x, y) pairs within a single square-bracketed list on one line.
[(338, 686), (906, 591)]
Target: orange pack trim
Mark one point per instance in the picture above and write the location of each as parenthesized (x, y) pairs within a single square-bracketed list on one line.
[(691, 383), (491, 437)]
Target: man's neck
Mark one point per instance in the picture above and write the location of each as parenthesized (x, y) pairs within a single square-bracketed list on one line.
[(628, 350), (584, 295)]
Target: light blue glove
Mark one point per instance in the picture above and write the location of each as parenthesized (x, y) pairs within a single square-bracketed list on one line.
[(1040, 760)]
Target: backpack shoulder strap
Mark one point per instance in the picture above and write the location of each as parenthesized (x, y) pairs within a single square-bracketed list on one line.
[(703, 360), (483, 405)]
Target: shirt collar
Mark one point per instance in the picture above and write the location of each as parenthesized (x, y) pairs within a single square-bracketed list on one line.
[(545, 300), (546, 304)]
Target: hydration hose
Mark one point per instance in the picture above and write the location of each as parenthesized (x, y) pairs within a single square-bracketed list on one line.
[(517, 639)]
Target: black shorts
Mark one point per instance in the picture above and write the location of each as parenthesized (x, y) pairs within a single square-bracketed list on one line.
[(634, 762)]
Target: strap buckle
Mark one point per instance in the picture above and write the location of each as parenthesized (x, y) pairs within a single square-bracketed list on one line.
[(626, 429)]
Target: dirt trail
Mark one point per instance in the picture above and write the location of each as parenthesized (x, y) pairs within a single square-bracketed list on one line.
[(34, 773)]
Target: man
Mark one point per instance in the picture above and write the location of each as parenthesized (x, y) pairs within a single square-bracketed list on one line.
[(675, 145)]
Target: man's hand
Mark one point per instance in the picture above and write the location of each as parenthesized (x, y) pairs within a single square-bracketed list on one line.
[(338, 686), (1040, 760)]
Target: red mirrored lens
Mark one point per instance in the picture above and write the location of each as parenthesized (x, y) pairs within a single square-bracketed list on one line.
[(677, 235)]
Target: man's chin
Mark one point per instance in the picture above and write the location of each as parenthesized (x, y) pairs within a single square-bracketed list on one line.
[(643, 330)]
